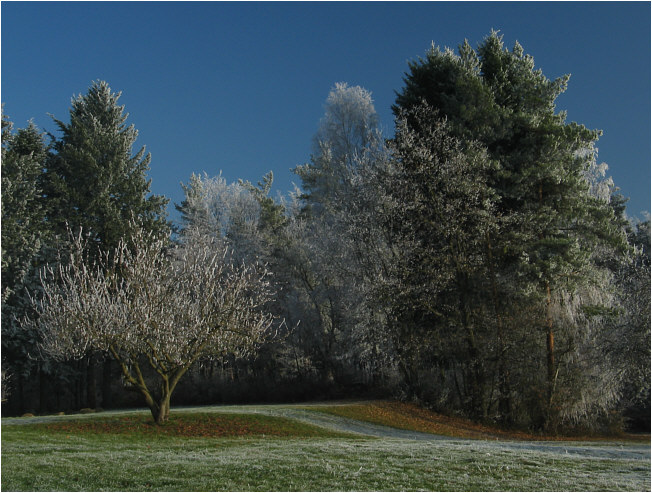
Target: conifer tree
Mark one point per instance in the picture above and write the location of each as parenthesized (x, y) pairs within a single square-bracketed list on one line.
[(95, 182), (550, 222), (24, 240), (97, 185), (440, 211), (23, 217)]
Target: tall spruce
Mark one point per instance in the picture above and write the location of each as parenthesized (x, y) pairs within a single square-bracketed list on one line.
[(24, 240), (23, 215), (550, 223), (96, 184)]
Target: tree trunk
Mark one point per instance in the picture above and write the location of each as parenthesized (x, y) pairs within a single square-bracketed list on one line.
[(43, 386), (504, 391), (80, 383), (106, 384), (476, 370), (160, 410), (550, 357), (91, 386), (20, 392)]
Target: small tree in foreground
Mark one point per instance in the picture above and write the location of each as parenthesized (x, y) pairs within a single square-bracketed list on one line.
[(149, 305)]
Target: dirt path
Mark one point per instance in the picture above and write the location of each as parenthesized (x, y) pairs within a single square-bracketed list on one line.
[(602, 450)]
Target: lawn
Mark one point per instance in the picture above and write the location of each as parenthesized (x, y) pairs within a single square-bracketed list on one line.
[(257, 448)]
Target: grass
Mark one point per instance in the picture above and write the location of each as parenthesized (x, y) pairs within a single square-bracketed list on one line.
[(407, 416), (207, 451), (191, 425)]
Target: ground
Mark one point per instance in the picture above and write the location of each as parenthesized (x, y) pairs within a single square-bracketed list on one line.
[(305, 448)]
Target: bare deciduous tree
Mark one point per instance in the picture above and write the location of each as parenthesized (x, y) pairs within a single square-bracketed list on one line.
[(149, 305)]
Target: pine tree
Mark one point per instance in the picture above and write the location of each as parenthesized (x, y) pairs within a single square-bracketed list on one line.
[(550, 223), (24, 240), (95, 183)]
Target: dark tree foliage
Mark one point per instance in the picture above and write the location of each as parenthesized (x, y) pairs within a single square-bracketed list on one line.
[(25, 240), (632, 341), (479, 261), (95, 183), (550, 223), (88, 179), (442, 210)]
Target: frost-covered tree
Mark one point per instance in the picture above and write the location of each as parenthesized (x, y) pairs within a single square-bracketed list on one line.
[(254, 226), (216, 209), (23, 214), (348, 129), (631, 335), (550, 221), (440, 214), (96, 181), (329, 272), (25, 238), (155, 309)]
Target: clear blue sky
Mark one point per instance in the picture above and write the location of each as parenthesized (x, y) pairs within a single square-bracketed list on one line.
[(240, 87)]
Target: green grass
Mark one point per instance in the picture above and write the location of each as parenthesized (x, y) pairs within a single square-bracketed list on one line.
[(96, 454), (408, 416), (191, 425)]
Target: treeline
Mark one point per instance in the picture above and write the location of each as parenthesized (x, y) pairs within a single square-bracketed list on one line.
[(478, 261)]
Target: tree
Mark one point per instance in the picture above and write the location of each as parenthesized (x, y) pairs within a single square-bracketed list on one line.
[(23, 215), (325, 260), (25, 238), (440, 212), (95, 183), (257, 228), (550, 222), (272, 214), (631, 336), (348, 129), (149, 305)]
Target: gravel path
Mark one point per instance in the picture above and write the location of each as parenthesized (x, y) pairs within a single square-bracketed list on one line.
[(600, 450), (584, 449)]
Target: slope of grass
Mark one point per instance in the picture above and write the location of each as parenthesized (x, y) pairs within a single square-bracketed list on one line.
[(205, 451), (191, 424), (407, 416)]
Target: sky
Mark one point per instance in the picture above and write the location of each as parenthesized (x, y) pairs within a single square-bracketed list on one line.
[(239, 88)]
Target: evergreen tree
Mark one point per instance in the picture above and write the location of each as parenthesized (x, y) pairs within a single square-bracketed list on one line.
[(631, 336), (95, 183), (272, 214), (24, 240), (440, 213), (23, 216), (550, 223)]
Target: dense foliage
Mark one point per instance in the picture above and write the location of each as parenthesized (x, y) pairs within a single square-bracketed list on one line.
[(479, 261)]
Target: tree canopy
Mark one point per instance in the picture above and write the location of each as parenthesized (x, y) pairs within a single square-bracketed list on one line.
[(478, 261)]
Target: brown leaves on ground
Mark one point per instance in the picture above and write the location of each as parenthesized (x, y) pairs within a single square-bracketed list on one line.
[(409, 416), (196, 425)]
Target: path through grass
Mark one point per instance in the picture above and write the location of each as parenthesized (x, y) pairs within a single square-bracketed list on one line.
[(95, 454)]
